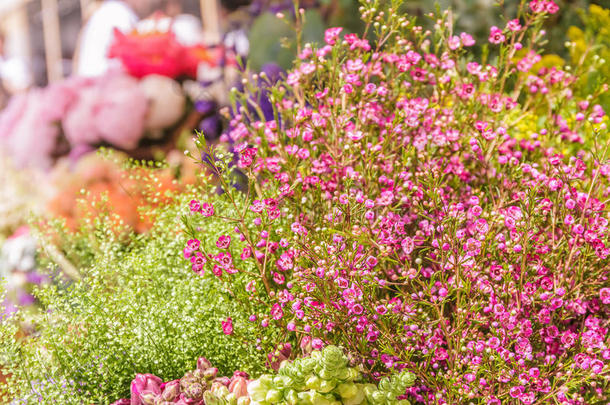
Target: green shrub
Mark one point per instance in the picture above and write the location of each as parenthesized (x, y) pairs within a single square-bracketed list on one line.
[(137, 308)]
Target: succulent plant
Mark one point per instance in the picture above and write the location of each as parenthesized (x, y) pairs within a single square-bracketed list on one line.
[(325, 378), (198, 387)]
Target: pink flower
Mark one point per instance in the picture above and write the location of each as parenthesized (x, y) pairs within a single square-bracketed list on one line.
[(582, 361), (28, 124), (441, 354), (223, 242), (198, 261), (355, 135), (193, 244), (332, 34), (207, 209), (371, 261), (357, 309), (528, 398), (381, 309), (551, 7), (604, 295), (407, 245), (276, 312), (25, 134), (317, 343), (496, 36), (472, 247), (469, 377), (246, 157), (225, 260), (516, 392), (246, 253), (195, 206), (227, 326), (513, 25), (454, 42), (541, 6), (597, 366), (467, 39)]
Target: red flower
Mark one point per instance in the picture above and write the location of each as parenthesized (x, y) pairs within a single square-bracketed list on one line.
[(158, 53)]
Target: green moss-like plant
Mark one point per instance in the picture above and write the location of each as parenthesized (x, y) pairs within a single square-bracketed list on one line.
[(135, 307)]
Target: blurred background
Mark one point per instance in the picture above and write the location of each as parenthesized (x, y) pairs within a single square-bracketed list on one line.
[(40, 39), (138, 77)]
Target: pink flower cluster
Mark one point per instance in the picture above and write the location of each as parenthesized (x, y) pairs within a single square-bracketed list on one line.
[(401, 212)]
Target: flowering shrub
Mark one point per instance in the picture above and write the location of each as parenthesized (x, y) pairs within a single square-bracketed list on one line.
[(397, 206), (438, 216)]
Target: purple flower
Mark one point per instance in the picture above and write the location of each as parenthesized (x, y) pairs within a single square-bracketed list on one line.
[(211, 127)]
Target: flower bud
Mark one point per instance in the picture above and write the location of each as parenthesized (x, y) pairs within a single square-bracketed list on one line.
[(220, 390), (171, 391), (198, 374), (188, 380), (222, 380), (210, 373), (194, 391), (144, 383), (203, 363), (148, 398), (238, 373), (239, 387)]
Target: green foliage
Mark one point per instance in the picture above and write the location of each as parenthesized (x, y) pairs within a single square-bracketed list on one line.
[(137, 308), (590, 51), (273, 39)]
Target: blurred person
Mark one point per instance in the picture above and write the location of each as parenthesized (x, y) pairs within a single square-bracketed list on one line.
[(98, 33), (236, 16), (170, 15), (186, 27), (14, 74)]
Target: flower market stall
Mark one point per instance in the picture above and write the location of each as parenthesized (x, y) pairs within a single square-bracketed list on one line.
[(407, 214)]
